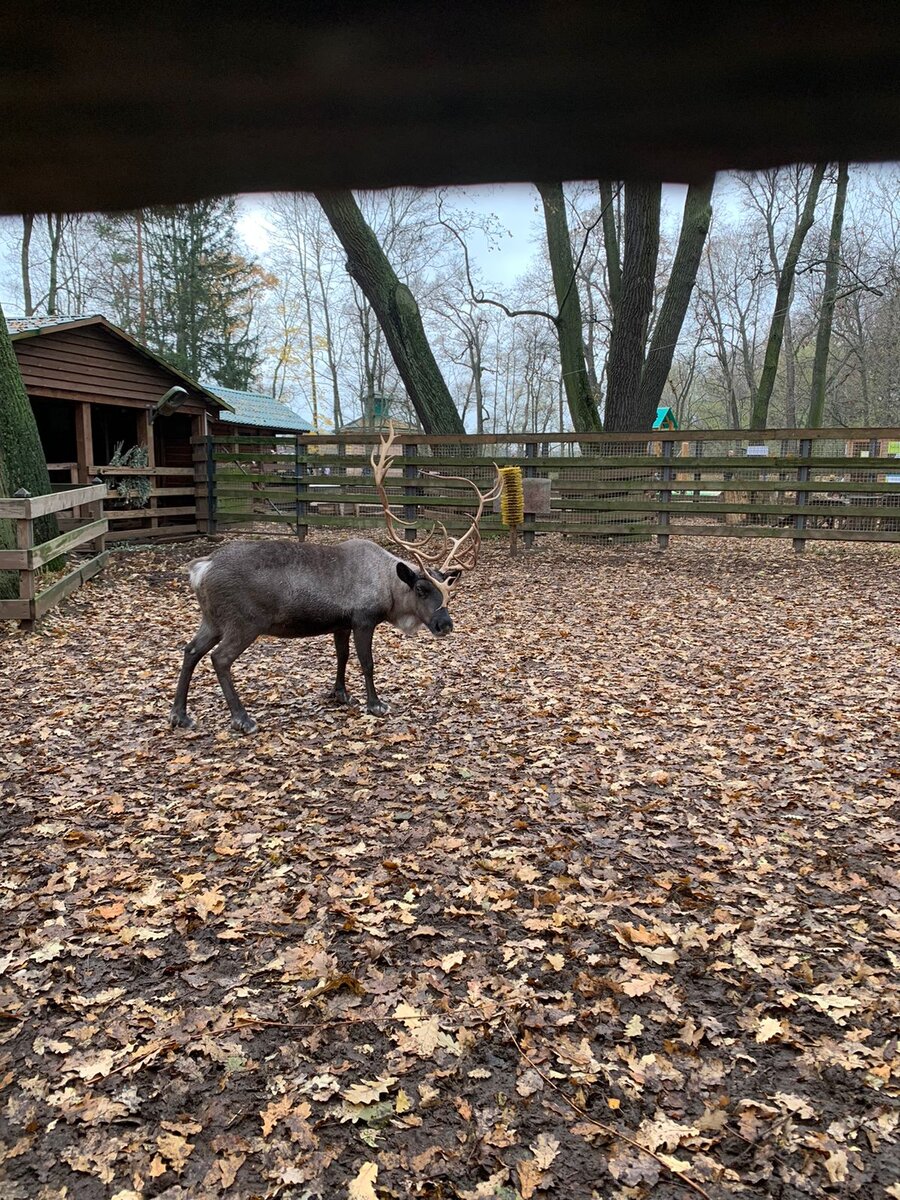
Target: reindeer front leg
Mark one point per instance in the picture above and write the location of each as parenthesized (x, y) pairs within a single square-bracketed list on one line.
[(342, 648), (362, 638)]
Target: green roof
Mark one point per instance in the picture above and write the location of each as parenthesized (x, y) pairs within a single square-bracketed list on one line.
[(661, 415), (260, 410)]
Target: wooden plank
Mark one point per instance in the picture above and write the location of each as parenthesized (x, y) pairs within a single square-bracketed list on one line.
[(250, 457), (624, 463), (15, 610), (84, 443), (726, 531), (40, 506), (249, 518), (14, 560), (133, 514), (10, 507), (148, 471), (158, 492), (47, 551), (717, 506), (717, 483), (58, 591), (24, 541), (162, 533)]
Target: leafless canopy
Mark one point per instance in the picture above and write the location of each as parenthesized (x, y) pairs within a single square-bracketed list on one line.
[(447, 554)]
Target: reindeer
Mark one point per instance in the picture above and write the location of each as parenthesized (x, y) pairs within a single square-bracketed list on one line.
[(285, 589)]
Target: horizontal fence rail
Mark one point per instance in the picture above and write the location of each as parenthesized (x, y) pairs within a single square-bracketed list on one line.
[(170, 510), (31, 560), (805, 485)]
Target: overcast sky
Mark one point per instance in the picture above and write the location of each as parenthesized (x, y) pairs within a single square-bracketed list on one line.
[(517, 207)]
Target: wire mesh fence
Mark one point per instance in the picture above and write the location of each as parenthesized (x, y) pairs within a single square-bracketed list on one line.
[(800, 484)]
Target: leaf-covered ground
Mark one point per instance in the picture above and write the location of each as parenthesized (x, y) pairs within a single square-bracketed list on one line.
[(607, 907)]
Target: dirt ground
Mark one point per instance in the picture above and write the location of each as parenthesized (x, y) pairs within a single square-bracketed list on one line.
[(608, 907)]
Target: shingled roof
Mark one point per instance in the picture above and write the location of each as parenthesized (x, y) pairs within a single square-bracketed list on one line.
[(258, 409)]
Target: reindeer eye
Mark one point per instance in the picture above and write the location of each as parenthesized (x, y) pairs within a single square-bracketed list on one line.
[(422, 588)]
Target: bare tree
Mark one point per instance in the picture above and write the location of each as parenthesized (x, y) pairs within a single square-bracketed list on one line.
[(829, 299), (397, 311), (760, 414), (568, 320), (632, 313)]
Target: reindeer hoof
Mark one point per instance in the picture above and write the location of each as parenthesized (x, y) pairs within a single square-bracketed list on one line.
[(378, 709), (244, 724), (181, 720), (339, 696)]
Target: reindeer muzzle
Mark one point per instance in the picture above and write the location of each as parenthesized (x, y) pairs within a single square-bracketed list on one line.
[(441, 623)]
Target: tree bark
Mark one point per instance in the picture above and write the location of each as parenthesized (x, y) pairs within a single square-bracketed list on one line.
[(632, 314), (694, 228), (766, 386), (570, 330), (611, 243), (22, 462), (829, 297), (27, 231), (397, 313), (54, 232)]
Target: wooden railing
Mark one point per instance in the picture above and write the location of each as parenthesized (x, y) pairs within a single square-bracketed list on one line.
[(798, 484), (170, 511), (30, 559)]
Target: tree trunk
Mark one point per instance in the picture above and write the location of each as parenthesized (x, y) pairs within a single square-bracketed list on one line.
[(766, 386), (22, 462), (332, 361), (829, 296), (631, 316), (569, 328), (611, 243), (694, 228), (54, 230), (790, 370), (397, 312), (27, 230)]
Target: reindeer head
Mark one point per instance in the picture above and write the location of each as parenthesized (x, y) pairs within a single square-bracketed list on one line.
[(442, 561)]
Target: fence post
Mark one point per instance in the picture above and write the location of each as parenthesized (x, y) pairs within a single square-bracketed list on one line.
[(301, 505), (698, 475), (25, 541), (95, 513), (802, 497), (410, 511), (531, 451), (665, 494), (210, 485)]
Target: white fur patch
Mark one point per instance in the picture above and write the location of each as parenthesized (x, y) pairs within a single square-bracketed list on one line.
[(408, 624), (197, 571)]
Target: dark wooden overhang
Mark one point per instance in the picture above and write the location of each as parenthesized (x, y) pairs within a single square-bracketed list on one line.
[(90, 359), (105, 106)]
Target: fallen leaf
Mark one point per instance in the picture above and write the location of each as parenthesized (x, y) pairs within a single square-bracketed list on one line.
[(363, 1186)]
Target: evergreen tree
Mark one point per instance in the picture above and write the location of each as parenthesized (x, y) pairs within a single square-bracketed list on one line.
[(22, 462), (189, 294)]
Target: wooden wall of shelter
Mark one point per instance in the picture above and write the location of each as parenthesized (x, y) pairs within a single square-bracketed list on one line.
[(91, 387)]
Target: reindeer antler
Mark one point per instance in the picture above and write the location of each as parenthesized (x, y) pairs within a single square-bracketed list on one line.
[(463, 552), (456, 554)]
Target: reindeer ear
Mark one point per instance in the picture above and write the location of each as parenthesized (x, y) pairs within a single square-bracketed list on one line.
[(407, 574), (453, 577)]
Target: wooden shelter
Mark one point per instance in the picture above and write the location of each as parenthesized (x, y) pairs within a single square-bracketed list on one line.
[(93, 387)]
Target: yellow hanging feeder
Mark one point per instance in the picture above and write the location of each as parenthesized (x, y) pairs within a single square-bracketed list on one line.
[(512, 503)]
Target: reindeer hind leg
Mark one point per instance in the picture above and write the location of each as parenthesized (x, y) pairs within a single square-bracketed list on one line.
[(230, 648), (202, 642)]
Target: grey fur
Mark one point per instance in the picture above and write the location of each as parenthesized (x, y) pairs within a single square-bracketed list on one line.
[(288, 589)]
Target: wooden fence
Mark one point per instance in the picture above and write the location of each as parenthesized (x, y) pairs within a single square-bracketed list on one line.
[(169, 512), (86, 527), (801, 484)]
